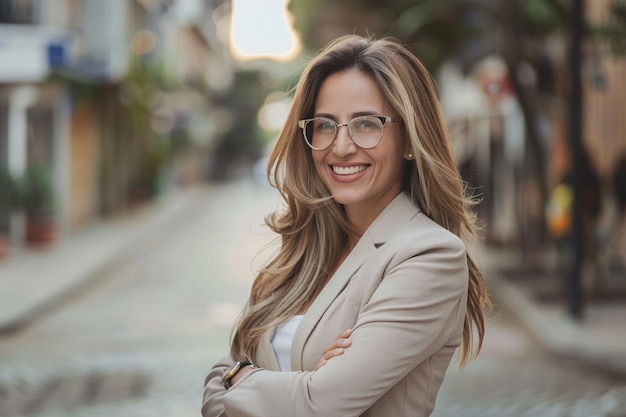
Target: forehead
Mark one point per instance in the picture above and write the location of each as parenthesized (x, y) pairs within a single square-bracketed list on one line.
[(349, 92)]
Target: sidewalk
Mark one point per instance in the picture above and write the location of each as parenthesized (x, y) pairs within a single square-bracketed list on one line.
[(598, 340), (34, 282)]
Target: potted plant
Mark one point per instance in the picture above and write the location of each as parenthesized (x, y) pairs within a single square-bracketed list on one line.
[(7, 203), (37, 200)]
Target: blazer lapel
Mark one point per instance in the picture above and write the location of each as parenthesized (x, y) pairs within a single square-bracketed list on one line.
[(361, 252), (266, 357), (396, 214)]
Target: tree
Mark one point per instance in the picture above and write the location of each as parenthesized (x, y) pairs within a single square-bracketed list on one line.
[(467, 31), (612, 32)]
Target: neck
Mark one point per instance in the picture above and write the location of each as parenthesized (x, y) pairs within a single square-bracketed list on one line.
[(361, 216), (360, 220)]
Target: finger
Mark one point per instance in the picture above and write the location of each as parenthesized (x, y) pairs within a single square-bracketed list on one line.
[(321, 363), (345, 334), (341, 341), (333, 353), (338, 343), (328, 356), (336, 348)]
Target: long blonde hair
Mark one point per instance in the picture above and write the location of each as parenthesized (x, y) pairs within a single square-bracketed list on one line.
[(313, 228)]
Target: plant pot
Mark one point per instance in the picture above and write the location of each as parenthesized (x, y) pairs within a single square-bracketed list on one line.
[(41, 232), (4, 247)]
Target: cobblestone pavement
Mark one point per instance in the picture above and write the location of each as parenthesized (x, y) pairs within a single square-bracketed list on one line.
[(511, 378), (140, 341), (514, 377), (147, 386)]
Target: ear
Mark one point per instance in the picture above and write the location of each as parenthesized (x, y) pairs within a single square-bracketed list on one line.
[(408, 152)]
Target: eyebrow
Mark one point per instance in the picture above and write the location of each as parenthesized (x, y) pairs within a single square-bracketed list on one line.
[(352, 116)]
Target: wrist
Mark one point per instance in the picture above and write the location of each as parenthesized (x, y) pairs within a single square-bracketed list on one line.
[(241, 373), (232, 374)]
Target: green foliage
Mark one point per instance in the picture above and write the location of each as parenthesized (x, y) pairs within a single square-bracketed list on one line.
[(155, 158), (81, 89), (243, 141), (613, 32), (439, 29), (35, 191), (8, 193), (540, 16), (435, 29), (304, 14), (152, 166), (618, 9)]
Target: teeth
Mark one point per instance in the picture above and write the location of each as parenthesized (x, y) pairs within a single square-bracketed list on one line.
[(348, 170)]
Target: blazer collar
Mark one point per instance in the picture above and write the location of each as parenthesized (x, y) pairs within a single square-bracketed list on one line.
[(397, 213)]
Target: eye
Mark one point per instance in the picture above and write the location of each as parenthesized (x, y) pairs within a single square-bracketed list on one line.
[(323, 126), (366, 123)]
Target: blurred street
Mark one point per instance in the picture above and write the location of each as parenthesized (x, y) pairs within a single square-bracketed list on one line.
[(150, 326), (138, 340), (130, 234)]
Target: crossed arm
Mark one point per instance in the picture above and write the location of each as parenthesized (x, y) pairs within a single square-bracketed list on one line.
[(415, 307), (336, 348)]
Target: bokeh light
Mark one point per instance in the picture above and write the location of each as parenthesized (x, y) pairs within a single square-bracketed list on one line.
[(263, 30), (273, 114)]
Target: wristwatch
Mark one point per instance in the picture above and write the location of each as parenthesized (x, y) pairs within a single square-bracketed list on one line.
[(232, 371)]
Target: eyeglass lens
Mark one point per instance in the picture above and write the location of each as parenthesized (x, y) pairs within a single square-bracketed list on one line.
[(365, 131)]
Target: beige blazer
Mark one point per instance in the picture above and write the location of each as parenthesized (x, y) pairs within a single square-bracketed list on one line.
[(403, 291)]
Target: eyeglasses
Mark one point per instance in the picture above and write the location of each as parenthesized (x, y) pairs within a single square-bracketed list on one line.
[(365, 131)]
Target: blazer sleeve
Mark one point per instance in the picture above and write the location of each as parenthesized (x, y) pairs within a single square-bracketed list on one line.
[(412, 313), (212, 401)]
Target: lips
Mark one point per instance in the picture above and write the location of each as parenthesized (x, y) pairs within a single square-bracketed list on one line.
[(348, 170)]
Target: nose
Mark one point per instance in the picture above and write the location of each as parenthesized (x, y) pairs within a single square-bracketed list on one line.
[(343, 145)]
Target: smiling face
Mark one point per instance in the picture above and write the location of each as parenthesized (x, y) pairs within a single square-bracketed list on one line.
[(363, 180)]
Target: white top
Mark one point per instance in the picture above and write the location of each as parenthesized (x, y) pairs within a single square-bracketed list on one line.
[(282, 340)]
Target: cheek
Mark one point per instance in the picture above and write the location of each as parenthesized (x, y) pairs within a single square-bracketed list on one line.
[(318, 160), (397, 165)]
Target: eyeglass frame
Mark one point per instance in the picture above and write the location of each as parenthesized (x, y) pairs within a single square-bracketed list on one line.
[(302, 124)]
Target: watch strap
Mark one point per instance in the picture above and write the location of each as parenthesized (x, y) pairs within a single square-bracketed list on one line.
[(232, 371)]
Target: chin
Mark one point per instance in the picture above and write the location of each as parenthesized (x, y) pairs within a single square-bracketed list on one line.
[(344, 199)]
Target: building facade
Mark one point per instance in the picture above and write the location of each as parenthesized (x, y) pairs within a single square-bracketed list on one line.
[(107, 98)]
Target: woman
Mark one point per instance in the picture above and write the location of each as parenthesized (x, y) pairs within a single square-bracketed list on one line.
[(372, 290)]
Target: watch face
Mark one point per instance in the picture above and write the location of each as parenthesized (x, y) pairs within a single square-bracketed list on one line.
[(228, 375), (231, 372)]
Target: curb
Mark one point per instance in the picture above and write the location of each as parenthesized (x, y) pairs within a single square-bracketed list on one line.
[(124, 238), (558, 333)]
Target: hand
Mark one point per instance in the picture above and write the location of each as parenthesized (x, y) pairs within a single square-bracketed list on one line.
[(336, 348)]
